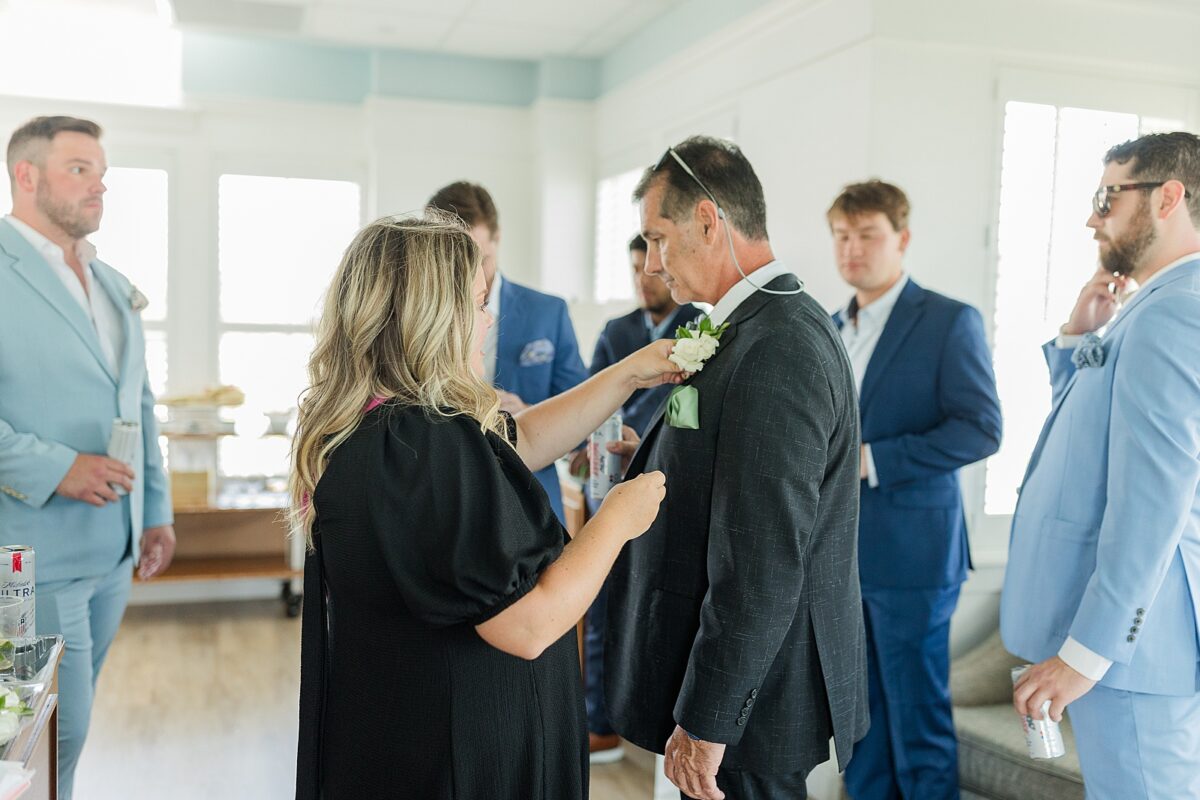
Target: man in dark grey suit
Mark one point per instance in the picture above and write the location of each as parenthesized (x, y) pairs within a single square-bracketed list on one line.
[(735, 642)]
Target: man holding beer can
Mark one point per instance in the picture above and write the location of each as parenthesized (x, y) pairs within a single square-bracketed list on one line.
[(72, 360), (1103, 578)]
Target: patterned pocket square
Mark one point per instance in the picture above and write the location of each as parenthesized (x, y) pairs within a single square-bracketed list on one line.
[(537, 352)]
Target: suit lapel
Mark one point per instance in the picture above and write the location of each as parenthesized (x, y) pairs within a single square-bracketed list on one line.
[(34, 270), (900, 323), (749, 307), (106, 279), (509, 330)]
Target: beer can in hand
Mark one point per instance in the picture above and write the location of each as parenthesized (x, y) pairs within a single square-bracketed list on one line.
[(1043, 736), (605, 467), (122, 445), (16, 580)]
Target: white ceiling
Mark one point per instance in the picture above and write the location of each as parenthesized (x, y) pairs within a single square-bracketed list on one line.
[(525, 29)]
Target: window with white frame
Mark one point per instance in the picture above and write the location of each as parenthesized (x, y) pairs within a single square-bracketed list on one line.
[(279, 242), (617, 220), (1051, 165)]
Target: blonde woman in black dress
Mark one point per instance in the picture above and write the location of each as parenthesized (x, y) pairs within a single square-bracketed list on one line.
[(438, 656)]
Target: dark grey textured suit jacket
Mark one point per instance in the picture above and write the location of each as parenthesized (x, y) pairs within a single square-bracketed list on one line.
[(738, 614)]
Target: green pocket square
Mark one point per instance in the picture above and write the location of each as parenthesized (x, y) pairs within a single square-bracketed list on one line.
[(683, 408)]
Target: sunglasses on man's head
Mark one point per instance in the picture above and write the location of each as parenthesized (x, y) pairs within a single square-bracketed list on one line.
[(1101, 200), (671, 154)]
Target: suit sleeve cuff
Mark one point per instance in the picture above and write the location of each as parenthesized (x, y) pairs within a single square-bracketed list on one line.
[(872, 475), (1087, 663)]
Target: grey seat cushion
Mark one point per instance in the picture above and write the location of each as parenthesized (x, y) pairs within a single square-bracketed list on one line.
[(994, 762), (983, 676)]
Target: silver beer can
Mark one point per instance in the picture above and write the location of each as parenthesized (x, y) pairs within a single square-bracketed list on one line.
[(16, 580), (604, 467), (1043, 736), (122, 445)]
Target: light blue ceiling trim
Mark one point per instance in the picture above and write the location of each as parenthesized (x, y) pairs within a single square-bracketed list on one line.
[(436, 76), (673, 32), (260, 66)]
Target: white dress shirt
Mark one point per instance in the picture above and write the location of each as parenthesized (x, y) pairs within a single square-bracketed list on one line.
[(860, 335), (492, 338), (741, 290), (1084, 660), (94, 300)]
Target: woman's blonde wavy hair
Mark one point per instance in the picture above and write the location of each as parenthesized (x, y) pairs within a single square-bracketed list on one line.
[(398, 323)]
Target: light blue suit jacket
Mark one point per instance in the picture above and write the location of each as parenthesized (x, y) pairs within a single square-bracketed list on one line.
[(1105, 540), (58, 398)]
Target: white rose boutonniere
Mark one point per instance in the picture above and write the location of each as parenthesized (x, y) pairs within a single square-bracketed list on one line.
[(693, 347)]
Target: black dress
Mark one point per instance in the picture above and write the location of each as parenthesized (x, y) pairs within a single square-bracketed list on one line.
[(425, 528)]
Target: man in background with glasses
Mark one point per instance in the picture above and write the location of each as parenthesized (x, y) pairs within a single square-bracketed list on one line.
[(73, 359), (1103, 579), (735, 640)]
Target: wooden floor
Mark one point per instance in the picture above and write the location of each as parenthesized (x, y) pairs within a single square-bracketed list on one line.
[(198, 701)]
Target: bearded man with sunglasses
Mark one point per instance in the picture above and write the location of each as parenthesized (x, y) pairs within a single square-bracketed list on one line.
[(735, 641), (1103, 579)]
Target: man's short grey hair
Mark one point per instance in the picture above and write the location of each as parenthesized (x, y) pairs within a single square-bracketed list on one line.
[(724, 170)]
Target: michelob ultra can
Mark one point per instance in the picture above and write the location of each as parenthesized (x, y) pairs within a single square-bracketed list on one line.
[(604, 467), (122, 445), (1043, 736), (16, 580)]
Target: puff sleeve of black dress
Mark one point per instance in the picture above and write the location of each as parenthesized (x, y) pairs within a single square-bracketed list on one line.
[(425, 528)]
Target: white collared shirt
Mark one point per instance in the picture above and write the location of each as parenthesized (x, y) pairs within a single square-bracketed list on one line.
[(94, 300), (741, 290), (491, 339), (860, 335), (1084, 660)]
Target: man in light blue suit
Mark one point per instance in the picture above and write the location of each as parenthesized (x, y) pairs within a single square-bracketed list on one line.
[(927, 397), (1103, 580), (531, 353), (72, 359)]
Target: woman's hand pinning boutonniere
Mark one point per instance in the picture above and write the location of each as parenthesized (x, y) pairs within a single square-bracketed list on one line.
[(137, 300), (693, 347)]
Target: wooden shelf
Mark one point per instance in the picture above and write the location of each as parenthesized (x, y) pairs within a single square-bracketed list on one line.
[(209, 569)]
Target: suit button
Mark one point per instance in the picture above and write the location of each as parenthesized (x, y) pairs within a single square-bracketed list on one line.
[(750, 702), (1134, 629), (741, 720), (1130, 638), (754, 692), (1141, 611)]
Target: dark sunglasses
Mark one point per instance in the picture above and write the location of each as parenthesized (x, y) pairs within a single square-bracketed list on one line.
[(1102, 204)]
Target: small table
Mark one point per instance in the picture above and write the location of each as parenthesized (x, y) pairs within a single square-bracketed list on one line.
[(35, 746)]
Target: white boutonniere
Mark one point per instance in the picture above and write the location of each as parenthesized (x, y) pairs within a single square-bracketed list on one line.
[(137, 300), (694, 346)]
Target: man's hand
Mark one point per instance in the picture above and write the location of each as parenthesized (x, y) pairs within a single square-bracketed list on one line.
[(89, 477), (510, 402), (692, 765), (158, 548), (1050, 680), (862, 462), (580, 466), (626, 447), (1097, 303)]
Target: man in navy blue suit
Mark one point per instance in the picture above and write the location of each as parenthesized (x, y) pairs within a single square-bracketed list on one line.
[(656, 317), (531, 353), (927, 396)]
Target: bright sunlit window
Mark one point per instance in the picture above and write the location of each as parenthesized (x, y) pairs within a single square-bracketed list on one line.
[(98, 52), (1053, 158), (279, 242), (617, 221)]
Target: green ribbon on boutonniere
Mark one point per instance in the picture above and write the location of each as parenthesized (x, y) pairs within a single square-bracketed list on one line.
[(683, 408)]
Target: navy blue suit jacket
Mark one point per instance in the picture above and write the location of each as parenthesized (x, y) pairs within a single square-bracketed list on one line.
[(928, 407), (537, 356), (624, 335)]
